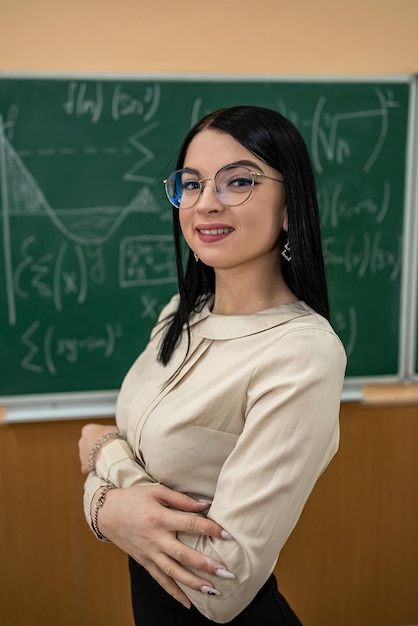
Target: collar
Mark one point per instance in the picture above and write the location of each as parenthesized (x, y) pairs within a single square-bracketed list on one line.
[(211, 326)]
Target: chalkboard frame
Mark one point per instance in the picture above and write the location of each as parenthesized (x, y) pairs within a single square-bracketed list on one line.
[(78, 404), (411, 339)]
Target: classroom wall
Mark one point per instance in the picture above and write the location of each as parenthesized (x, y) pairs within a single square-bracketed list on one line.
[(269, 36), (353, 558)]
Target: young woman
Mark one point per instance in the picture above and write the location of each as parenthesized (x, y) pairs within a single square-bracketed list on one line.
[(231, 413)]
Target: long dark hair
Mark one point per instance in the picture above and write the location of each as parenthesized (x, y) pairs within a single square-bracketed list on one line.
[(275, 140)]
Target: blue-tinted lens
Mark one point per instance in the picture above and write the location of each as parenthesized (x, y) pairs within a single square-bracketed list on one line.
[(183, 189)]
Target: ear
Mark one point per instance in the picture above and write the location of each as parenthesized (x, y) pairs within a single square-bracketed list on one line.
[(285, 224)]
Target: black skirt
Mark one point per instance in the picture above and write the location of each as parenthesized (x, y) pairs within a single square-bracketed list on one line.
[(152, 606)]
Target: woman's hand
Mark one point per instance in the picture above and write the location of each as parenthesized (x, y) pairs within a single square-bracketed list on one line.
[(90, 433), (141, 522)]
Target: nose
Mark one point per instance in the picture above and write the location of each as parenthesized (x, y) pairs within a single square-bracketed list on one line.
[(208, 199)]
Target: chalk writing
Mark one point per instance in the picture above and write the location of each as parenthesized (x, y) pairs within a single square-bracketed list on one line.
[(124, 104), (46, 349), (85, 99), (149, 306), (63, 274), (147, 260), (337, 205), (364, 253), (71, 347), (87, 225), (345, 323), (133, 174), (330, 137)]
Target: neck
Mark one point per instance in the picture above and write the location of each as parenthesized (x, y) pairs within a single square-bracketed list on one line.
[(238, 294)]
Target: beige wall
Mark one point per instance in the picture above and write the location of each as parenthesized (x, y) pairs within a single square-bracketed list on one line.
[(221, 36)]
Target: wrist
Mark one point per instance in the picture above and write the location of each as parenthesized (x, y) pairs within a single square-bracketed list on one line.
[(98, 445), (96, 506)]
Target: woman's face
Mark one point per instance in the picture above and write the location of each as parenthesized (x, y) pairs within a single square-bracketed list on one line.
[(225, 237)]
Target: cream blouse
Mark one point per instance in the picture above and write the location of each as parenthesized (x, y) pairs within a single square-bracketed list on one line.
[(250, 421)]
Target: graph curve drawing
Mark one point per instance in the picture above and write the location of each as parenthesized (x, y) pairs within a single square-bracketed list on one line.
[(21, 195)]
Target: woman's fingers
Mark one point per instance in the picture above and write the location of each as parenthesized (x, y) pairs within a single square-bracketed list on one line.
[(141, 522), (174, 522), (187, 557), (168, 572), (172, 569), (169, 585), (198, 525), (194, 524)]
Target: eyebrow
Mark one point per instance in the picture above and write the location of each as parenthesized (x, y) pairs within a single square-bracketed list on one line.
[(244, 162), (247, 163)]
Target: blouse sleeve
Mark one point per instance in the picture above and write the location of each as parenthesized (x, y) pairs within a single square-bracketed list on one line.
[(116, 466), (290, 435)]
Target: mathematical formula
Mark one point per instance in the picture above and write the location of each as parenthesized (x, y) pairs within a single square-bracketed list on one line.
[(87, 99), (44, 348), (363, 254)]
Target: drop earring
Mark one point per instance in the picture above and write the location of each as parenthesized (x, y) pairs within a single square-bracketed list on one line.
[(196, 258), (286, 251)]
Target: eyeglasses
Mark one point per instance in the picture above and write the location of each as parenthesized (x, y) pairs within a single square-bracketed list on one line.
[(234, 184)]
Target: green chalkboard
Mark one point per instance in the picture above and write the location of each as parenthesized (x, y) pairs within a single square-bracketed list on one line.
[(86, 257)]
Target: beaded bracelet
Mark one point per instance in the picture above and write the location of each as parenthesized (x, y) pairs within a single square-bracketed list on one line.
[(95, 449), (99, 503)]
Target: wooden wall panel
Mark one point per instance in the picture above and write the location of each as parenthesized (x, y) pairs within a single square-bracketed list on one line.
[(52, 570), (352, 559)]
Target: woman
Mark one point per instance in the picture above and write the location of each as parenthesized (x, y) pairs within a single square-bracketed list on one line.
[(231, 412)]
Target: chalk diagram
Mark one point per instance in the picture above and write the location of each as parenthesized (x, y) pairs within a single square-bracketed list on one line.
[(355, 252), (84, 228), (329, 136)]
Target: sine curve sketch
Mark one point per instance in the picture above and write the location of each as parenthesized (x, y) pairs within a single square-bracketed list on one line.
[(85, 230), (82, 225)]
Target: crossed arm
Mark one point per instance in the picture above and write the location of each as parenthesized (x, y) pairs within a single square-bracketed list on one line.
[(143, 520)]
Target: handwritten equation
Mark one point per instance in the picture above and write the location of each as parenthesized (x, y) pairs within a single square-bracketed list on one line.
[(147, 260), (87, 99), (65, 273), (363, 254), (330, 132), (338, 207), (44, 348)]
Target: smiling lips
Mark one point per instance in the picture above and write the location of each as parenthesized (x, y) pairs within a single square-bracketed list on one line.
[(214, 234), (215, 231)]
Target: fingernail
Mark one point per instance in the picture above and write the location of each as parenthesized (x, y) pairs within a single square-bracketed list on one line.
[(225, 535), (210, 591), (224, 573), (205, 502), (184, 603)]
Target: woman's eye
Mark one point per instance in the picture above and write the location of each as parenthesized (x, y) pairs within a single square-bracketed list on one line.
[(240, 182), (190, 185)]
